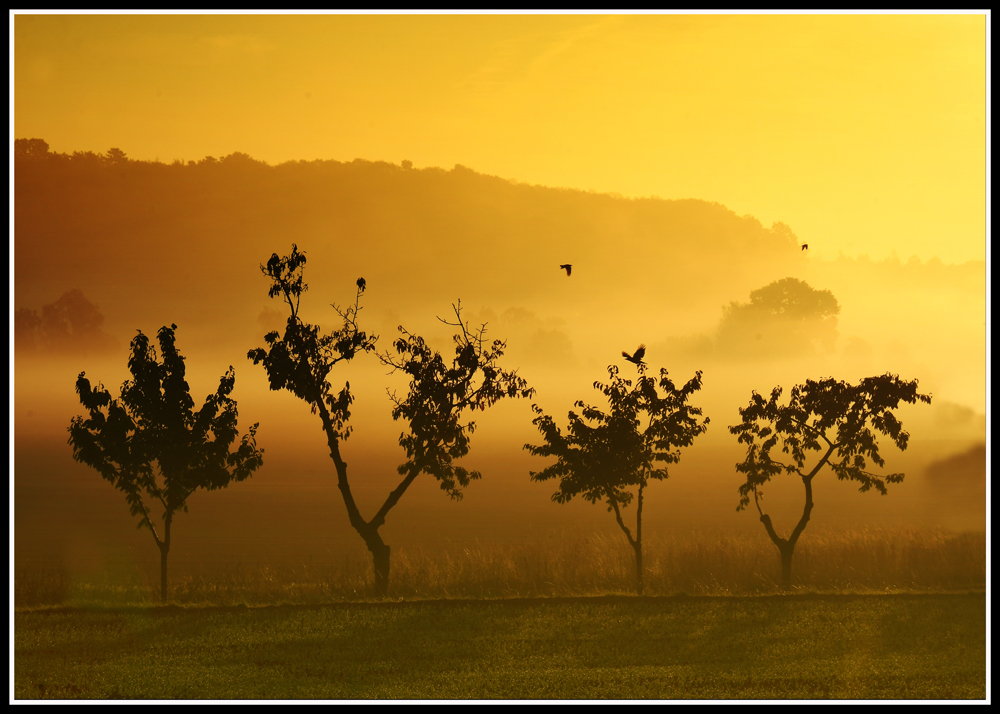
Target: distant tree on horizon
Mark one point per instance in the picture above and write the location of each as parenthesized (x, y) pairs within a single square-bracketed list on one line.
[(30, 148), (837, 420), (786, 317), (116, 156), (300, 360), (606, 453), (150, 440), (69, 325)]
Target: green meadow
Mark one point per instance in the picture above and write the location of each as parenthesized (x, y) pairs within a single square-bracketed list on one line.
[(888, 646)]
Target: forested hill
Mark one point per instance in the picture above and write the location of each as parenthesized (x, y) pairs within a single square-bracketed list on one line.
[(154, 243), (415, 234)]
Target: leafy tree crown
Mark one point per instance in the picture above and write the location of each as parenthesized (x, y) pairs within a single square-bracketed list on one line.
[(301, 359), (605, 452), (790, 298), (153, 427), (837, 419), (440, 395), (784, 317)]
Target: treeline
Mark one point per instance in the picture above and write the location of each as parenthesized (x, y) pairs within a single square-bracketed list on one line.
[(458, 229)]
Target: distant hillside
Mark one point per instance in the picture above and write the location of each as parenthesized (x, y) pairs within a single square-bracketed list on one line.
[(416, 234), (154, 243)]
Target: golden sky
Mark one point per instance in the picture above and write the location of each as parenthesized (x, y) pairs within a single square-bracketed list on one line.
[(865, 133)]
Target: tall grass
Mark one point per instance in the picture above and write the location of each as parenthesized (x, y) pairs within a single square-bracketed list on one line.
[(869, 560)]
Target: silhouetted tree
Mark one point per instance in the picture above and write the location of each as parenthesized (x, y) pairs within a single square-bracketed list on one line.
[(30, 149), (70, 324), (150, 439), (116, 157), (837, 420), (301, 360), (782, 318), (601, 460)]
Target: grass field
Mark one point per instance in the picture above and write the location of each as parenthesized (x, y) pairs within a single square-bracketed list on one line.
[(796, 647), (859, 561)]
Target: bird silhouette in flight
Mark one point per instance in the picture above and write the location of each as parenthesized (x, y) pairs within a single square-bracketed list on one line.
[(361, 284), (805, 246), (568, 268), (637, 357)]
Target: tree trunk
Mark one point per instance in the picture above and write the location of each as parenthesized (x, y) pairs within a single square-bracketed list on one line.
[(785, 549), (163, 573), (638, 566), (164, 550), (368, 530), (786, 565), (380, 556), (638, 540), (787, 546)]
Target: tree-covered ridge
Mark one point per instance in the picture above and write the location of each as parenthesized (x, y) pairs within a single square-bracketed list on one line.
[(108, 201)]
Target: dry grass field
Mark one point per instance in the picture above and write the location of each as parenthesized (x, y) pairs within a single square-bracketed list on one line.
[(851, 561)]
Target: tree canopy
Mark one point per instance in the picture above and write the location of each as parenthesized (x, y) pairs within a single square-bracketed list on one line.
[(786, 317), (439, 395), (71, 324), (604, 453), (607, 452), (836, 419), (833, 422), (152, 445), (302, 359)]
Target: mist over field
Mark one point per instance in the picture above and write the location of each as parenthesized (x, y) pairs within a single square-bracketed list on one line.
[(107, 246)]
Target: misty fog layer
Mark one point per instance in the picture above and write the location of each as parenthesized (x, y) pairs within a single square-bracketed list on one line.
[(105, 246)]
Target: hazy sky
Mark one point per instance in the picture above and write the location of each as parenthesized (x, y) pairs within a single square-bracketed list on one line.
[(866, 134)]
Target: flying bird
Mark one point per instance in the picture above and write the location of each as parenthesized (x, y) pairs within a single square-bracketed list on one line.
[(805, 246), (637, 357), (568, 268), (361, 284)]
